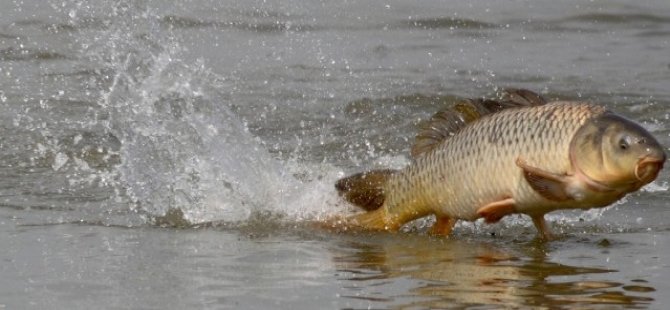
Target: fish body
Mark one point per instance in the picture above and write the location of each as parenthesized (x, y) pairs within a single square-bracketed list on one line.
[(530, 158), (478, 167)]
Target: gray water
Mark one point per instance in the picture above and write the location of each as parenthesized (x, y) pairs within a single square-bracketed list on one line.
[(172, 156)]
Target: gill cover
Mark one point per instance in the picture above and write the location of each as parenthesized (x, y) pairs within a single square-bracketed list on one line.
[(612, 152)]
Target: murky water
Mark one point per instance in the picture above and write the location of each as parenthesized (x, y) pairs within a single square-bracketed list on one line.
[(159, 155)]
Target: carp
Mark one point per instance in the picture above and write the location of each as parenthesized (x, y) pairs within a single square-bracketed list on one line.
[(516, 154)]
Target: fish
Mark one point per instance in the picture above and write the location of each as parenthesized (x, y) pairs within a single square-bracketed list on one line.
[(515, 154)]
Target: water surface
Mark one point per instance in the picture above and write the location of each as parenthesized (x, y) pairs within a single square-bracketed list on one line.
[(159, 156)]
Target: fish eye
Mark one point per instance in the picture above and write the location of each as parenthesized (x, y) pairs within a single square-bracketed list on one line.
[(623, 144)]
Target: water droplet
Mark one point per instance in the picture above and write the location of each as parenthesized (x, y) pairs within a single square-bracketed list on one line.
[(60, 160), (77, 139)]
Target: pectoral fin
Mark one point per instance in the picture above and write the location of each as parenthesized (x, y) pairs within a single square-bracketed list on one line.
[(494, 211), (550, 185)]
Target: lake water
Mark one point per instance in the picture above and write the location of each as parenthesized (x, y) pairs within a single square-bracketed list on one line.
[(173, 156)]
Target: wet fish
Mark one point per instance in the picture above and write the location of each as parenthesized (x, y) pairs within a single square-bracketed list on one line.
[(518, 154)]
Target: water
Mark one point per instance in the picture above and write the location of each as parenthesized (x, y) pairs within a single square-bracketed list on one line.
[(172, 155)]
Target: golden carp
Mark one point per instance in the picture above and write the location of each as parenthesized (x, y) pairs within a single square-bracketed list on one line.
[(519, 154)]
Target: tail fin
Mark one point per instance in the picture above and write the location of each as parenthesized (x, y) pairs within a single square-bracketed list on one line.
[(373, 220), (365, 190)]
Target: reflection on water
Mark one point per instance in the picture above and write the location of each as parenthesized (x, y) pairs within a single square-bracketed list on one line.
[(447, 273)]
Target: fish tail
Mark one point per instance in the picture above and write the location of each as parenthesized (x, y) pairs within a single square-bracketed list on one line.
[(374, 220), (365, 190)]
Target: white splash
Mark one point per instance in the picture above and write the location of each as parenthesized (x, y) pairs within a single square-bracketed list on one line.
[(656, 187)]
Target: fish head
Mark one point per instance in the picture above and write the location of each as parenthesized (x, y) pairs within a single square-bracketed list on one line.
[(617, 153)]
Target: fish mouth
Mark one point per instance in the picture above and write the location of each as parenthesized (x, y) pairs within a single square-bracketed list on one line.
[(648, 167)]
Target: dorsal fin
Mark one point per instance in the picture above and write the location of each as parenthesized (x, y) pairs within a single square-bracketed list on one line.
[(448, 121)]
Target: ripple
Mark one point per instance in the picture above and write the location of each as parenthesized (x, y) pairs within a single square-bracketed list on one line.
[(180, 22), (8, 36), (185, 22), (654, 33), (619, 18), (81, 24), (448, 23), (639, 288), (27, 54), (69, 26)]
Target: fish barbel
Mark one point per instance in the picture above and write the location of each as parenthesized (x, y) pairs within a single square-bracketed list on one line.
[(520, 154)]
